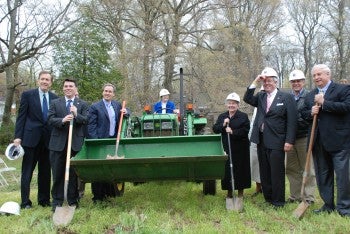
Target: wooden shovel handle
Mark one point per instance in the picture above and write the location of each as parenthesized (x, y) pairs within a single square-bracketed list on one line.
[(69, 150), (311, 143), (121, 121), (120, 128)]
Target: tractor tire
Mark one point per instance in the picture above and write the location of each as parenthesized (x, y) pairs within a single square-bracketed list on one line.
[(209, 187)]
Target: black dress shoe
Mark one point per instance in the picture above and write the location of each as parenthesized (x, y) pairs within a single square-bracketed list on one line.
[(28, 206), (45, 204), (345, 215), (323, 210), (74, 204), (277, 205)]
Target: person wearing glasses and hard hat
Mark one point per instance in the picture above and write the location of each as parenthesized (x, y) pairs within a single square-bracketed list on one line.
[(164, 106), (236, 124), (296, 158), (273, 131)]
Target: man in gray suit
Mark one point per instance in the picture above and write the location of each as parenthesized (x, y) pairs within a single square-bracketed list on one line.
[(62, 110), (273, 131)]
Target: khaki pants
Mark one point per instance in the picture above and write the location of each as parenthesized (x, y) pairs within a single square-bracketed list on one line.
[(254, 163), (296, 159)]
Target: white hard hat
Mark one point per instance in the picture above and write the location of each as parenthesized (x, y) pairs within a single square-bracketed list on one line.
[(268, 71), (10, 208), (163, 92), (234, 97), (13, 152), (296, 75)]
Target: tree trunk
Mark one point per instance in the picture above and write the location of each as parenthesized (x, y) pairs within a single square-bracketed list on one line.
[(10, 90)]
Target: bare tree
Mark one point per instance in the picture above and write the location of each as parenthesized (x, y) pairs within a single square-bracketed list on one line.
[(338, 27), (234, 46), (30, 29), (306, 16)]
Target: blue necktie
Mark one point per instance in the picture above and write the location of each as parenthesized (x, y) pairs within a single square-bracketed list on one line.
[(68, 106), (111, 115), (45, 108)]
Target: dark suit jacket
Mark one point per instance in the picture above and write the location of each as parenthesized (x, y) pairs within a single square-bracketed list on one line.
[(280, 122), (30, 126), (60, 130), (99, 120), (334, 117)]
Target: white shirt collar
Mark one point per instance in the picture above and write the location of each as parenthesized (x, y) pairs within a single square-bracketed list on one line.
[(69, 99)]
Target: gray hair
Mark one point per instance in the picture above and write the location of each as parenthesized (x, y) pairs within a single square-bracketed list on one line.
[(322, 67)]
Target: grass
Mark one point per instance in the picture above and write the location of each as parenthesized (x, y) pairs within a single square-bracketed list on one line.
[(167, 207)]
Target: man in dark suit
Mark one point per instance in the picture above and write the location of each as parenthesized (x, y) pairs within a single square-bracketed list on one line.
[(62, 110), (33, 133), (331, 150), (103, 123), (273, 131)]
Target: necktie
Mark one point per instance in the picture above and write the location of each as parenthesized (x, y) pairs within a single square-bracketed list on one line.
[(268, 102), (68, 106), (111, 115), (45, 108)]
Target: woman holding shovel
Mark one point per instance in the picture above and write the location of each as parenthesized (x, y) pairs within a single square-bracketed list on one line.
[(234, 127)]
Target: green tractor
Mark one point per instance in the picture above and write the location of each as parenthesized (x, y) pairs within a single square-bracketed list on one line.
[(155, 147)]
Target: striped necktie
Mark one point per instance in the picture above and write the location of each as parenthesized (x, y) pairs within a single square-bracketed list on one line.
[(45, 108), (68, 106)]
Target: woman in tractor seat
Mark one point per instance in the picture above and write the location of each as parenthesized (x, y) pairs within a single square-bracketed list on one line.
[(236, 124), (164, 106)]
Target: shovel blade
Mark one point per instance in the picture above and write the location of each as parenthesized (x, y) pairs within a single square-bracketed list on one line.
[(63, 215), (229, 203), (238, 204), (300, 210)]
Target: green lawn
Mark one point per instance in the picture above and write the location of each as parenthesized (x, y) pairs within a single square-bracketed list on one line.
[(168, 207)]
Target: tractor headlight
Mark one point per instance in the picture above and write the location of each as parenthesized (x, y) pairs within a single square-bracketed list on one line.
[(167, 125), (148, 126)]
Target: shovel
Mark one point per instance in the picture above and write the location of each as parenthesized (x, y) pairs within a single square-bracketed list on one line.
[(233, 203), (118, 137), (302, 207), (64, 215)]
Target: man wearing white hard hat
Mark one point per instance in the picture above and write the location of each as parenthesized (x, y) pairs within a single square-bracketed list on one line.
[(273, 132), (164, 105), (32, 132), (236, 124), (296, 158)]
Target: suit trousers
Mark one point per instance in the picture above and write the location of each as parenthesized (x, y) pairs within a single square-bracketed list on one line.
[(326, 163), (33, 156), (296, 159), (272, 173), (58, 162)]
